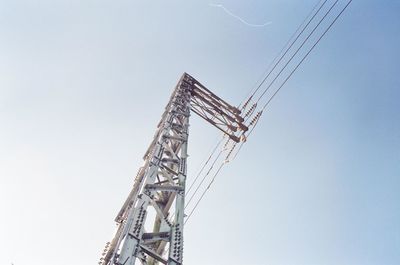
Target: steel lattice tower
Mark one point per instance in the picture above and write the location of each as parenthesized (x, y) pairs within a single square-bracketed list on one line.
[(160, 182)]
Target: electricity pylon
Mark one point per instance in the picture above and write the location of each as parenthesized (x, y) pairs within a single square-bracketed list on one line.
[(150, 222)]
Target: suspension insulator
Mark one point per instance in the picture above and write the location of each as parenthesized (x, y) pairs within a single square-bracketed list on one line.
[(255, 118), (246, 103), (227, 142), (251, 110)]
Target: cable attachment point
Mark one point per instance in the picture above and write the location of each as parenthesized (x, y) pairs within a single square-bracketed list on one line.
[(246, 103), (251, 110), (255, 118), (229, 154), (227, 143)]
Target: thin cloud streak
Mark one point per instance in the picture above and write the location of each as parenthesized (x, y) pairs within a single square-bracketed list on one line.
[(227, 11)]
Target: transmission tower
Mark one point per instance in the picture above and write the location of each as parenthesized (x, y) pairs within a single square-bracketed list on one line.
[(150, 222)]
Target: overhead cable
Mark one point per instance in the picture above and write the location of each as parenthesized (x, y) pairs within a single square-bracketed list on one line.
[(297, 66), (274, 94), (292, 40), (298, 49)]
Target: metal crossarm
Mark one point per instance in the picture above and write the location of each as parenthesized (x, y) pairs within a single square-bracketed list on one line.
[(216, 111)]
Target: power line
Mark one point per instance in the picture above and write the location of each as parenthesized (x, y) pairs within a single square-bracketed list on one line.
[(275, 93), (211, 167), (205, 164), (204, 177), (298, 49), (290, 42), (297, 66), (204, 192), (309, 51)]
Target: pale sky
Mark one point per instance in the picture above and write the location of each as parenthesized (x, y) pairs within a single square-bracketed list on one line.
[(83, 85)]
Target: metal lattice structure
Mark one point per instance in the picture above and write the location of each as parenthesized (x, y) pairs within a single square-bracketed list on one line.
[(150, 222)]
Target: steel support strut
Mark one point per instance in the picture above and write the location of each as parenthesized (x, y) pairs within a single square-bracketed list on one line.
[(157, 197)]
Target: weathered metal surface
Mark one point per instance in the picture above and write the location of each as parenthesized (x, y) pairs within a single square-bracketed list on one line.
[(158, 194)]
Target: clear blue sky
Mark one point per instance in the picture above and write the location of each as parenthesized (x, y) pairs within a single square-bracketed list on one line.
[(82, 88)]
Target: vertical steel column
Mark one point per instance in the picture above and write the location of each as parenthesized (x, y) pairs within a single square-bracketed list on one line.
[(176, 240), (152, 217), (160, 185)]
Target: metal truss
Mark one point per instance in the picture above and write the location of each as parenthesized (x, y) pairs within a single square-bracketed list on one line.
[(150, 222), (217, 111)]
